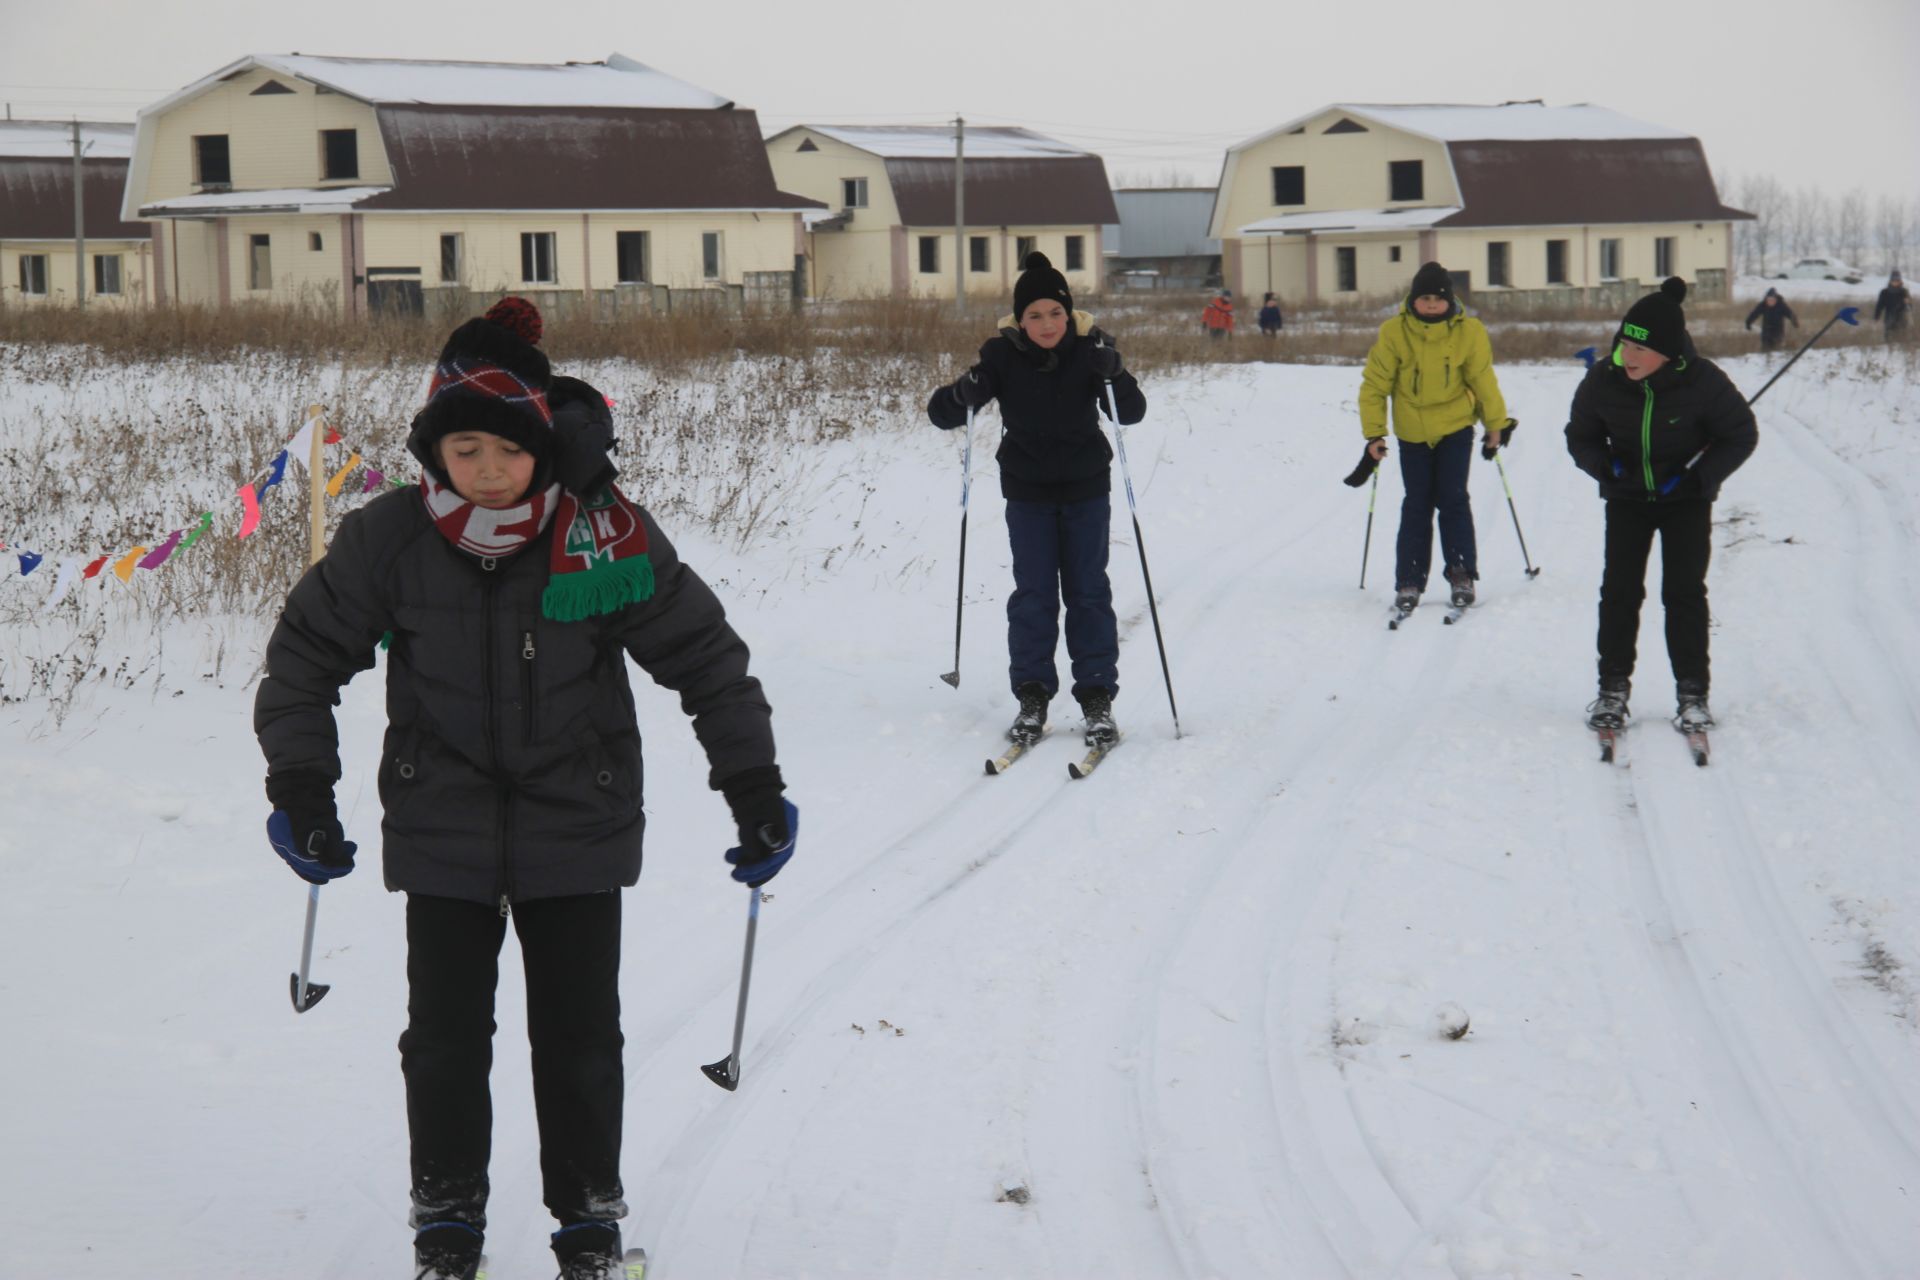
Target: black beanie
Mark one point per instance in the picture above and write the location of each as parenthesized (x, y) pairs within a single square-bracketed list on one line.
[(490, 377), (1432, 278), (1657, 322), (1039, 280)]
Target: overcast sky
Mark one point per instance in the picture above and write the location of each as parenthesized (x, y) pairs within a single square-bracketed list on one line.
[(1812, 92)]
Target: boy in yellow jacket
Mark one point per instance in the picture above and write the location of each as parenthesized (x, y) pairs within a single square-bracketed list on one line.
[(1436, 366)]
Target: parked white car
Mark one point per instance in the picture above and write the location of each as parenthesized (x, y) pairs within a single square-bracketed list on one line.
[(1822, 269)]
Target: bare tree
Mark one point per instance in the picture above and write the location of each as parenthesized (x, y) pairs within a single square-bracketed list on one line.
[(1761, 195), (1807, 219), (1890, 230), (1850, 217)]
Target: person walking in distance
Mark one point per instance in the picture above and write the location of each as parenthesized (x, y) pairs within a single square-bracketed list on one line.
[(1892, 306), (1434, 366), (1217, 319), (1774, 315), (1660, 429), (1049, 368)]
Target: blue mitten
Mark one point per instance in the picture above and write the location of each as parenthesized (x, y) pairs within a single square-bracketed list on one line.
[(765, 846), (317, 850)]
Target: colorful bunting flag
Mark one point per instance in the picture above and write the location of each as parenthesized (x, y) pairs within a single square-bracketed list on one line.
[(69, 570), (206, 523), (28, 562), (340, 476), (123, 567), (251, 501), (160, 553), (95, 567)]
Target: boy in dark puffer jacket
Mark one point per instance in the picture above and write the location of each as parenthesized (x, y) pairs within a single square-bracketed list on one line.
[(1660, 428), (1049, 368), (511, 585)]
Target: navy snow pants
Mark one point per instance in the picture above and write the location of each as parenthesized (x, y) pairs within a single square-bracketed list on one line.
[(1060, 550), (1435, 478)]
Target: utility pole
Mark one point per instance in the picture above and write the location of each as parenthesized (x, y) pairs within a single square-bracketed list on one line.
[(959, 215), (79, 225)]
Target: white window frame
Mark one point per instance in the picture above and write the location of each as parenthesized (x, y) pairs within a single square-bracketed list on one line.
[(534, 246), (459, 256), (853, 193), (1073, 255), (646, 258), (105, 264), (33, 275), (920, 256), (1610, 248), (260, 262), (1665, 250), (713, 249)]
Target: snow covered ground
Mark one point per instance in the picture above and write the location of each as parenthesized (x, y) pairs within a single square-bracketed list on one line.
[(1193, 1005)]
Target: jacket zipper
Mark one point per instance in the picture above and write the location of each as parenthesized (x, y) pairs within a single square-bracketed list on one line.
[(1646, 440), (526, 682), (487, 566)]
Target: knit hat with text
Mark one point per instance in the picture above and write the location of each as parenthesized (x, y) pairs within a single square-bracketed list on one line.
[(1657, 321), (1039, 280)]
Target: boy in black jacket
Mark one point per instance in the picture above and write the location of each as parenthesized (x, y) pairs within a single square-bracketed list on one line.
[(1047, 368), (1660, 428)]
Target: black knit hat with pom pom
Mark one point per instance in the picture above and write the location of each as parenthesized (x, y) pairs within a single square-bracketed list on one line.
[(1039, 280), (491, 376), (1657, 321)]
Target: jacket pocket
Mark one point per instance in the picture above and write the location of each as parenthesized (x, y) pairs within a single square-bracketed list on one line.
[(400, 773)]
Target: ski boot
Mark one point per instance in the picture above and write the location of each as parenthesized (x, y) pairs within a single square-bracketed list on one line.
[(1032, 720), (1462, 583), (1096, 710), (588, 1251), (1406, 599), (1690, 712), (1609, 710), (446, 1251)]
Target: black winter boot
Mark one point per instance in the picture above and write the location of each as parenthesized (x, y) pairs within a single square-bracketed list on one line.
[(446, 1251), (588, 1251), (1096, 709), (1690, 712), (1462, 583), (1609, 710), (1032, 720)]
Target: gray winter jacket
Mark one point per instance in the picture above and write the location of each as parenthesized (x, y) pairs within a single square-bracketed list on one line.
[(511, 769)]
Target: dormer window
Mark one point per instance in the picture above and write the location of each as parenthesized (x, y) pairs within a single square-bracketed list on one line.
[(339, 154), (1406, 180), (211, 167)]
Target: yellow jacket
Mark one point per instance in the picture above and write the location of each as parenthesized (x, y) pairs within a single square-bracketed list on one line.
[(1439, 377)]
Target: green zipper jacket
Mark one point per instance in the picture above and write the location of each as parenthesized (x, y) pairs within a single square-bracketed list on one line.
[(1439, 377)]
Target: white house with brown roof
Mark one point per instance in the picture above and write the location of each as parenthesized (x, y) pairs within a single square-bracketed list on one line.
[(372, 183), (37, 216), (1521, 202), (890, 189)]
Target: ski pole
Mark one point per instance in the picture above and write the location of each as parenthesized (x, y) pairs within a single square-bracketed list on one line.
[(1140, 542), (1851, 315), (1532, 572), (960, 589), (1366, 543), (307, 994), (726, 1072)]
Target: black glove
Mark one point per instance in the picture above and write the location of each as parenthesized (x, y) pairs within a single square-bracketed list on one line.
[(973, 390), (304, 829), (764, 822), (1488, 448), (1107, 364), (1368, 464), (582, 437)]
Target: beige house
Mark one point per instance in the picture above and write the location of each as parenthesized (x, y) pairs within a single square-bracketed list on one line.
[(37, 217), (1523, 203), (890, 189), (369, 184)]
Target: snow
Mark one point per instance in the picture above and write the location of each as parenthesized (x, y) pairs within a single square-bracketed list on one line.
[(281, 199), (921, 142), (1511, 122), (1196, 1007), (53, 139), (1349, 220)]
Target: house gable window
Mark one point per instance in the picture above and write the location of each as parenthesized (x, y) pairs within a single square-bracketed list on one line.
[(259, 263), (806, 144), (268, 89), (106, 273), (210, 160), (1289, 184), (1344, 125), (929, 255), (1406, 180), (1076, 253), (339, 154), (631, 253), (537, 265), (33, 273), (853, 193), (1497, 252)]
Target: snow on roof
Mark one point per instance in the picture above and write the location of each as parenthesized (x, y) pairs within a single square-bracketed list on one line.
[(1349, 220), (281, 200), (932, 142), (53, 139), (1511, 122)]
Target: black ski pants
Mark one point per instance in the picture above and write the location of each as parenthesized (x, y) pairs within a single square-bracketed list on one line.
[(1686, 541), (571, 951)]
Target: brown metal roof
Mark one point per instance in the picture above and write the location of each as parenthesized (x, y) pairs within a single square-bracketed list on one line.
[(577, 158), (1064, 191), (36, 200), (1557, 183)]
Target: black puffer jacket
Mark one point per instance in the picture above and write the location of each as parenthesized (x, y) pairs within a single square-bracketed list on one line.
[(1773, 319), (512, 767), (1050, 405), (1653, 428)]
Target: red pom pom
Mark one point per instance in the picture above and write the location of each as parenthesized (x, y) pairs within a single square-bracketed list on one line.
[(519, 317)]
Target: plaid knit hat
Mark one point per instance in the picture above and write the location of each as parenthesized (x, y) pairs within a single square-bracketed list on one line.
[(491, 376), (1039, 280), (1657, 321)]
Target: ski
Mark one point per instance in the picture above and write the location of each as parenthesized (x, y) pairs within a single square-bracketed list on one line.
[(1697, 743), (1608, 737), (1455, 612), (634, 1264), (1396, 616), (1001, 763), (1087, 764)]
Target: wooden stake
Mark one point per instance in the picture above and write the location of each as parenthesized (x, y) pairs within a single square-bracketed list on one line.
[(316, 484)]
